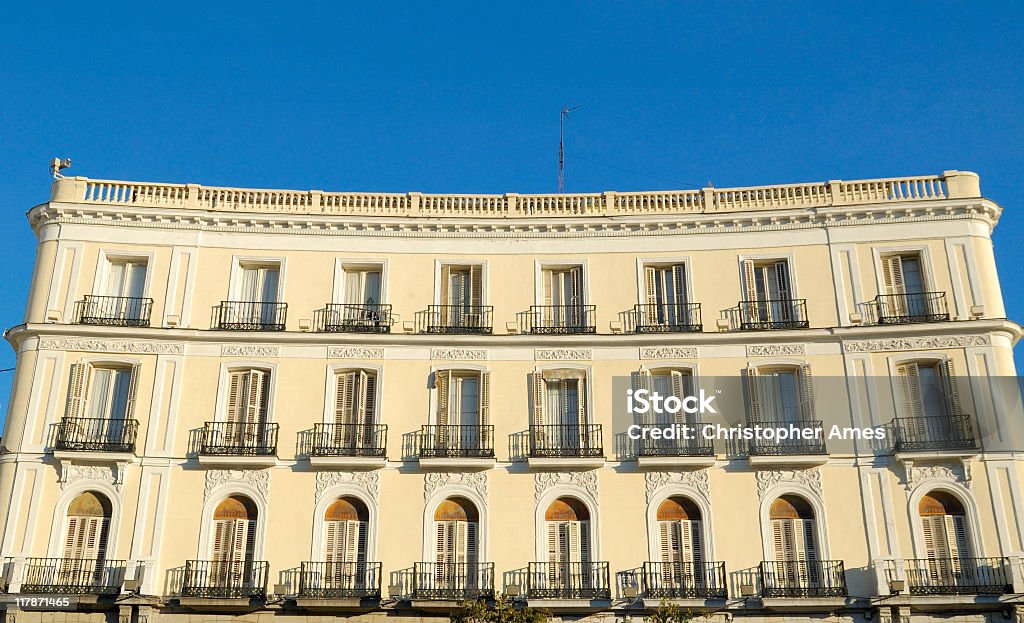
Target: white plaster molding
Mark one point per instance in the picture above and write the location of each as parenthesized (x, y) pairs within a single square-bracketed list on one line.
[(259, 479), (369, 481), (669, 352), (774, 350), (915, 343), (563, 354), (767, 479), (355, 352), (249, 350), (959, 472), (111, 346), (699, 480), (547, 480), (475, 354), (71, 473), (477, 481)]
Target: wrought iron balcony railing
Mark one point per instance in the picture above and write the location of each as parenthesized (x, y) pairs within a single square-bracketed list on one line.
[(238, 439), (773, 314), (559, 319), (698, 446), (803, 578), (559, 440), (668, 318), (908, 308), (250, 316), (225, 579), (95, 435), (114, 311), (568, 580), (931, 433), (794, 445), (344, 440), (73, 576), (458, 319), (350, 318), (453, 581), (339, 580), (453, 441), (953, 576), (684, 580)]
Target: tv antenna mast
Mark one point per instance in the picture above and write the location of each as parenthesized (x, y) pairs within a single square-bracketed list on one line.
[(561, 145)]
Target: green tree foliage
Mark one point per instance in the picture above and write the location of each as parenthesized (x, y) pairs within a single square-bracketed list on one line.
[(670, 613), (503, 611)]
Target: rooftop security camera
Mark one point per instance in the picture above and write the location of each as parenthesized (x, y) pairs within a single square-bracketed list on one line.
[(57, 165)]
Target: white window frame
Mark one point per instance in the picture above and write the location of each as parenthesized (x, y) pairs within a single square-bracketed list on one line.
[(331, 387), (540, 521), (224, 384), (702, 503), (927, 268), (925, 357), (794, 290), (539, 266), (342, 264), (643, 262), (328, 497), (110, 256), (238, 262), (966, 499), (435, 500), (58, 527), (205, 550), (439, 288), (817, 506), (454, 369)]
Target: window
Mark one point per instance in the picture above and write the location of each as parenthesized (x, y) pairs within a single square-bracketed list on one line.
[(234, 542), (125, 278), (567, 523), (679, 541), (345, 527), (666, 382), (944, 530), (88, 523), (102, 393), (362, 285), (355, 408), (258, 283), (665, 296), (767, 280), (902, 274), (248, 401), (456, 534), (563, 289), (927, 389), (462, 286), (462, 397), (782, 395), (794, 542)]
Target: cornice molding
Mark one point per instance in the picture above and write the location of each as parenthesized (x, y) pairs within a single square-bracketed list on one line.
[(915, 343), (249, 350), (111, 346), (355, 352), (669, 352), (368, 481), (472, 354), (563, 354), (774, 350)]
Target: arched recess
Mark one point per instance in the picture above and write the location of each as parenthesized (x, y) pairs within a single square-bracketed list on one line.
[(220, 494), (58, 526), (703, 506), (540, 517), (329, 497), (966, 500), (435, 500), (816, 507)]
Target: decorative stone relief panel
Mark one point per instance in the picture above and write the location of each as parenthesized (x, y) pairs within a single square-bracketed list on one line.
[(249, 350), (476, 481), (355, 352), (368, 481), (459, 353), (111, 346), (915, 343), (766, 479), (953, 472), (259, 479), (70, 473), (774, 350), (669, 352), (564, 354), (546, 480), (699, 480)]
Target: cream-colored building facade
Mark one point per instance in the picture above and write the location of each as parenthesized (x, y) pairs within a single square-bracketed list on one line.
[(261, 403)]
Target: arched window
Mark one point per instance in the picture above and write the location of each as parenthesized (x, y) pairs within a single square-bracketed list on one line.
[(679, 541), (568, 533), (456, 530), (793, 532), (345, 527), (234, 533), (88, 523), (944, 527)]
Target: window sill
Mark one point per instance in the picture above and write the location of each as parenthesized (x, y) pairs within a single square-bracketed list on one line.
[(237, 460), (457, 464), (348, 462), (93, 456), (789, 459), (566, 463), (671, 462)]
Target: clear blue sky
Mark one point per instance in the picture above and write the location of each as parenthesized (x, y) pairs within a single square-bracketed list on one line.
[(464, 97)]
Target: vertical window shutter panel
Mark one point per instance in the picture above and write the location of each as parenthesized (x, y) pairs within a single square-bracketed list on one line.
[(907, 394), (347, 382), (331, 541), (361, 541), (447, 289), (78, 390), (573, 541), (91, 545), (679, 279), (810, 539), (749, 280), (914, 390), (443, 383), (554, 542), (250, 539), (70, 538), (806, 393), (461, 547), (665, 541), (220, 527), (264, 396), (238, 539), (641, 379), (370, 404), (539, 394), (779, 539), (133, 387), (681, 383), (252, 397), (753, 394), (956, 536), (549, 277), (950, 389), (234, 398), (441, 552), (895, 283), (696, 544), (363, 398), (685, 541), (651, 284), (472, 543), (351, 541), (485, 398), (928, 534), (476, 286), (581, 401), (576, 276), (584, 541), (782, 280)]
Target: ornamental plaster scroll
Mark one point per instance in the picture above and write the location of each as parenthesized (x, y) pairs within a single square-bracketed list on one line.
[(249, 350), (477, 481), (950, 472), (70, 473), (774, 350), (459, 353), (546, 480), (368, 481), (669, 352), (355, 352), (915, 343), (699, 480), (259, 479), (767, 479), (111, 346), (564, 354)]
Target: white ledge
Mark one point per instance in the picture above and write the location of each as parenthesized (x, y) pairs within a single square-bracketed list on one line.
[(565, 462), (348, 462), (789, 459), (90, 456), (237, 461), (670, 462), (457, 464)]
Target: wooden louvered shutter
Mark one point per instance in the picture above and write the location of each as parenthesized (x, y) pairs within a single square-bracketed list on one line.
[(222, 538), (554, 542), (808, 542), (364, 408), (956, 536), (641, 379), (949, 388), (576, 285), (133, 386), (443, 384), (581, 402), (476, 288), (345, 398), (235, 410), (539, 393), (460, 546), (695, 546), (749, 280), (667, 541), (583, 538), (332, 541), (78, 390), (485, 398), (651, 283), (909, 378), (447, 289), (781, 278), (445, 542), (751, 380), (682, 386), (892, 275), (548, 277), (679, 282), (806, 393), (472, 542)]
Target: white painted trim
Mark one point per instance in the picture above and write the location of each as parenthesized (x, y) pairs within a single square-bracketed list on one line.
[(695, 496), (15, 509), (342, 263), (226, 368), (38, 411), (331, 387), (107, 256), (540, 524), (59, 525), (327, 498), (171, 298), (484, 274), (236, 267), (430, 507)]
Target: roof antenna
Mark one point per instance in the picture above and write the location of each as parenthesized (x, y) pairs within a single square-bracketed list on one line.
[(561, 146)]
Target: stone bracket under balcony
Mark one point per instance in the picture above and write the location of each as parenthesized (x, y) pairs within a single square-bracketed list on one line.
[(350, 604), (565, 463), (222, 604), (675, 462), (348, 462), (93, 457), (233, 460), (456, 464), (782, 460), (68, 465)]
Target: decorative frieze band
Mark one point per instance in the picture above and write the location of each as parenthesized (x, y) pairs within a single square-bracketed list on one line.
[(474, 354), (70, 472), (355, 352), (111, 346), (477, 481), (915, 343), (767, 479), (699, 480), (546, 480), (249, 350), (669, 352), (774, 350), (369, 481), (564, 354), (951, 472), (259, 479)]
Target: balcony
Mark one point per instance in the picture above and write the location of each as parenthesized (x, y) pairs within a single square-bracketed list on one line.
[(237, 443), (953, 576), (910, 308), (683, 580), (943, 434), (460, 319), (348, 318), (114, 311), (559, 319), (797, 450), (568, 580), (345, 445), (566, 446), (73, 576), (452, 581), (453, 446), (225, 579), (770, 315), (249, 316), (696, 452), (802, 578), (668, 318), (99, 435), (339, 580)]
